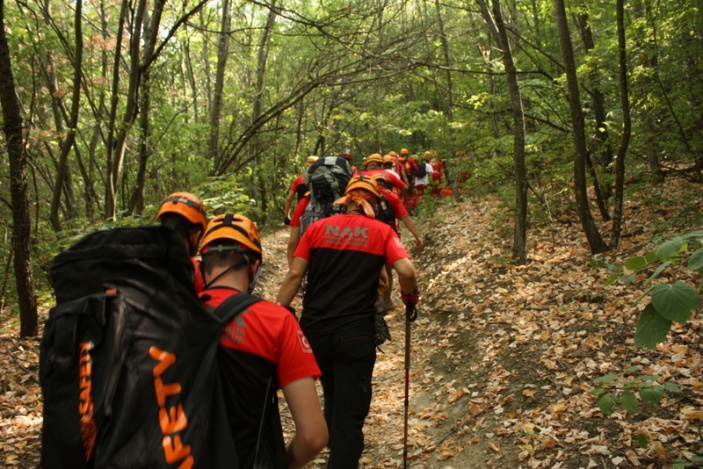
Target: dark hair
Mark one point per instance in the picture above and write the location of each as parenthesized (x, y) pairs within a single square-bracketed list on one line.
[(184, 227), (215, 258)]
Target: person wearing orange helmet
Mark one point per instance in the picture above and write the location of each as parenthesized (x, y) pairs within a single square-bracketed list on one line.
[(343, 256), (391, 211), (374, 164), (298, 188), (185, 213), (261, 350)]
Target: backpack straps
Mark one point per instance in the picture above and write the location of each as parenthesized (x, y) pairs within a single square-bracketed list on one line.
[(233, 306)]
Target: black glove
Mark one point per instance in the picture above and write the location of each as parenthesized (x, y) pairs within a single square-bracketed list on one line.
[(286, 221)]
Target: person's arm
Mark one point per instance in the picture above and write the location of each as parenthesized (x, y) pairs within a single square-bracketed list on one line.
[(292, 282), (311, 432), (289, 204), (293, 240), (410, 224), (407, 277)]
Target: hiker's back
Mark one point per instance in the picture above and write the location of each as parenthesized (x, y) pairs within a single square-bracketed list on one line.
[(326, 178), (128, 358)]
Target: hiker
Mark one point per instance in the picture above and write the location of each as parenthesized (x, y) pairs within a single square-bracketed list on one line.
[(343, 256), (374, 163), (261, 350), (423, 175), (439, 175), (185, 213), (298, 188), (391, 211)]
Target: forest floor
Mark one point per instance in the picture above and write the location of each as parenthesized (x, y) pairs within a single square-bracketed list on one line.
[(503, 357)]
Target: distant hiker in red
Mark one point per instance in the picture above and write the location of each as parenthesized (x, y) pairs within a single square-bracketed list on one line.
[(297, 190), (374, 164), (391, 210), (347, 155), (261, 350), (186, 214), (343, 256), (439, 176)]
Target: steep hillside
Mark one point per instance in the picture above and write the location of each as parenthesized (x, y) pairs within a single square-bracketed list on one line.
[(503, 357)]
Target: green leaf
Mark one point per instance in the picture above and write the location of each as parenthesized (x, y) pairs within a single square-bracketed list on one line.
[(629, 401), (676, 301), (635, 264), (652, 328), (642, 441), (607, 378), (671, 248), (652, 395), (606, 404), (672, 387), (696, 260)]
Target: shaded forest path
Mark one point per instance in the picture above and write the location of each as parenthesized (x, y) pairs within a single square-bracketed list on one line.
[(503, 357)]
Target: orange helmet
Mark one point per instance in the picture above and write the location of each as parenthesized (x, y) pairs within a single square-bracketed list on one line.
[(380, 176), (185, 204), (387, 159), (373, 158), (363, 182), (392, 153), (310, 160), (404, 151), (237, 228)]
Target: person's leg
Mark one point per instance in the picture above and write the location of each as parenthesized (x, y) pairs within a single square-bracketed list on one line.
[(354, 358), (323, 356)]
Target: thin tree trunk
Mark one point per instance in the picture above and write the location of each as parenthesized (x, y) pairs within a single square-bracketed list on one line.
[(590, 229), (626, 128), (63, 173), (21, 225), (218, 94), (497, 27)]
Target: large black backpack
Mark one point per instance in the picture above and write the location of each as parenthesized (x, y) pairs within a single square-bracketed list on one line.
[(128, 359), (327, 178)]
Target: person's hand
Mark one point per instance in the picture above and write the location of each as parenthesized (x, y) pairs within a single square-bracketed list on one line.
[(418, 244), (286, 221)]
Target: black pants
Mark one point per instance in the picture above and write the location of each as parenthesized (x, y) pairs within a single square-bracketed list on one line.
[(346, 359)]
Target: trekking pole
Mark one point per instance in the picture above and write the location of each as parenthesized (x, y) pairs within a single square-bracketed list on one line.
[(410, 316)]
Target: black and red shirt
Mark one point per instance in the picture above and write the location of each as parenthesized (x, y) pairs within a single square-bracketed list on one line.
[(261, 349), (345, 255)]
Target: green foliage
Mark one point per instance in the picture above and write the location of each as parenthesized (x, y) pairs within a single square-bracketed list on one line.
[(625, 390), (669, 302)]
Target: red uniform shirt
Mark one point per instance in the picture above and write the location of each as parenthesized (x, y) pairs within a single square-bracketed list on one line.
[(345, 255), (298, 212), (392, 177), (299, 187), (261, 350)]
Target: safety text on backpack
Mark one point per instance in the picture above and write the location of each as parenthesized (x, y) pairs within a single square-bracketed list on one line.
[(172, 419), (85, 399)]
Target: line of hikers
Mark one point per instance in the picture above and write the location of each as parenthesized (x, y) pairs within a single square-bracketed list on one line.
[(344, 253)]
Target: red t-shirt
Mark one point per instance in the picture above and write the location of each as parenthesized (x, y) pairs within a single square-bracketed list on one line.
[(392, 177), (298, 186), (395, 202), (298, 212), (269, 331), (261, 350), (345, 255), (199, 282)]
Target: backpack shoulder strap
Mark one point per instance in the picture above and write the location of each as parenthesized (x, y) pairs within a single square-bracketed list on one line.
[(233, 306)]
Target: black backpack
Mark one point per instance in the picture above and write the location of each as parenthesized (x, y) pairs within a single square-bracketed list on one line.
[(421, 170), (327, 179), (128, 359)]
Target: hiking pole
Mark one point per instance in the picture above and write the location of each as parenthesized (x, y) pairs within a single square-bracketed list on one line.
[(410, 316)]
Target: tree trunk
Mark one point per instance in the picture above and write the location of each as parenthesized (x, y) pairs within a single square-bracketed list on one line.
[(217, 95), (63, 173), (595, 240), (498, 29), (626, 129), (21, 232)]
